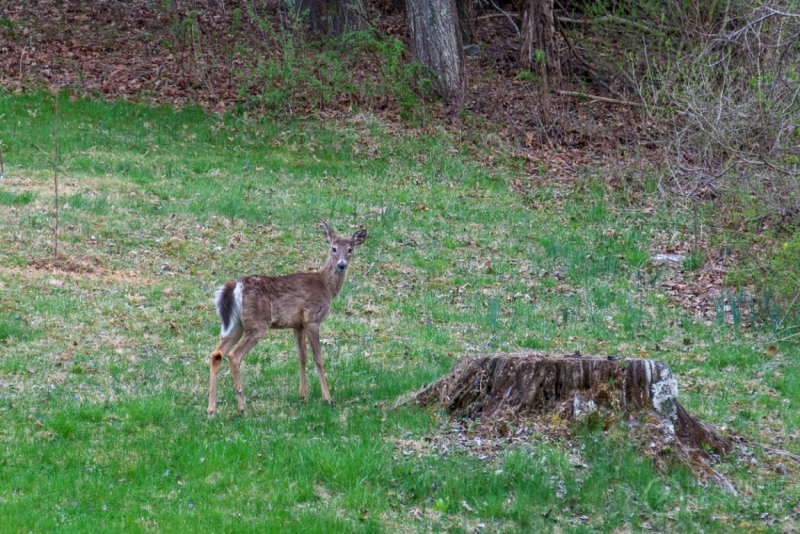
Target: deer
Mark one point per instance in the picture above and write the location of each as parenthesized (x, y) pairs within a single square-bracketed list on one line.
[(251, 305)]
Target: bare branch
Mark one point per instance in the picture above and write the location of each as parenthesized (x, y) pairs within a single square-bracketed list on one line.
[(787, 338), (495, 15), (573, 51), (788, 309), (772, 12), (508, 15), (750, 24), (612, 18)]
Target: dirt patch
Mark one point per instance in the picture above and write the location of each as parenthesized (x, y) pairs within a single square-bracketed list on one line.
[(78, 268), (82, 265)]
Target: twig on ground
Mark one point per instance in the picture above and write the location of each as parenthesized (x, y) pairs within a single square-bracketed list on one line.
[(600, 98), (724, 482), (544, 131), (708, 181), (514, 129), (781, 452)]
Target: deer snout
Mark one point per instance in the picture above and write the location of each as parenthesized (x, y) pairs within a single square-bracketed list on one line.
[(342, 265)]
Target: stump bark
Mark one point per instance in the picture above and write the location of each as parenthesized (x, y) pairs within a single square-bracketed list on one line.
[(502, 385)]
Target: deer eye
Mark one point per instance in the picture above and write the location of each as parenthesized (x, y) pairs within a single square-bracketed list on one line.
[(333, 250), (349, 250)]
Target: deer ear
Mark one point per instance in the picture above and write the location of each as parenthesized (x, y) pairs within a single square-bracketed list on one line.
[(330, 233), (359, 237)]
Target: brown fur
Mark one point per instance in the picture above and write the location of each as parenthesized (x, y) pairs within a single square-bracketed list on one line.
[(299, 301)]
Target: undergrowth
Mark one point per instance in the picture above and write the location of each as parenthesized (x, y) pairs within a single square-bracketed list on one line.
[(719, 84), (365, 69)]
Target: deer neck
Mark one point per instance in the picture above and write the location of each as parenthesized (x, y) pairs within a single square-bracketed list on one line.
[(334, 278)]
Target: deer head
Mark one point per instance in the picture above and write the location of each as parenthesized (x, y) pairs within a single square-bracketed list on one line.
[(342, 247)]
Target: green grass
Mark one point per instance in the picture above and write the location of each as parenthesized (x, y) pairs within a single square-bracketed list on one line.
[(8, 198), (103, 373)]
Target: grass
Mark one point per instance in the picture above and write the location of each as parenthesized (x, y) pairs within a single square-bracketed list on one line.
[(103, 378)]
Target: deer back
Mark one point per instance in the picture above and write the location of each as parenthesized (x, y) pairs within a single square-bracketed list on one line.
[(288, 301)]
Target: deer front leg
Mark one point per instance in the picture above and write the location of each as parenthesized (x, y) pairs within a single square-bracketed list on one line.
[(312, 333), (216, 362), (302, 354), (251, 337)]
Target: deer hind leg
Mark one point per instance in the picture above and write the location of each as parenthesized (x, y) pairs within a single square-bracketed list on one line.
[(225, 345), (302, 354), (251, 337), (312, 333)]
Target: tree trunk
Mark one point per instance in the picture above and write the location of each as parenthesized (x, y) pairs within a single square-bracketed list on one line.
[(397, 6), (508, 385), (539, 36), (466, 15), (332, 18), (347, 16), (436, 43)]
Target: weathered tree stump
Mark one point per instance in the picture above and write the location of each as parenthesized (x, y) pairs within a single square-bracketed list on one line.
[(503, 385)]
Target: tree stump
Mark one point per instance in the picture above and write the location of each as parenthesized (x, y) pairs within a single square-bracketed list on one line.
[(508, 385)]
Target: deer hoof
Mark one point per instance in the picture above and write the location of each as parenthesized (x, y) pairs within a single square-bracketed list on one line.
[(211, 413)]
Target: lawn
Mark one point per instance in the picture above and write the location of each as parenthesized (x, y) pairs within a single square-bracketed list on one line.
[(104, 366)]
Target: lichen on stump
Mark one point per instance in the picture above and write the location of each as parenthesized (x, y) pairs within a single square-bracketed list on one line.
[(503, 385)]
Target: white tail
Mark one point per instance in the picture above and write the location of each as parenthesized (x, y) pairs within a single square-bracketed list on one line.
[(251, 305)]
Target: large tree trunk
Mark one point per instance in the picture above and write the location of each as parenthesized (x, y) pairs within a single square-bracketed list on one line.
[(436, 43), (539, 34), (332, 18)]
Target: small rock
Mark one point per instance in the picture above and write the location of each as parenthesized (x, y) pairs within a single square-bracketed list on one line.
[(673, 259), (472, 51)]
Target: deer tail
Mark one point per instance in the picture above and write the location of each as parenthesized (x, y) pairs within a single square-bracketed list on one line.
[(228, 300)]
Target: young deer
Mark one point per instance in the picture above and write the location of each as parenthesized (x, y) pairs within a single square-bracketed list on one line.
[(301, 301)]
